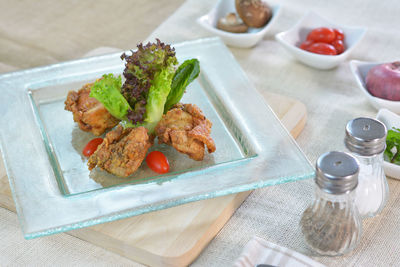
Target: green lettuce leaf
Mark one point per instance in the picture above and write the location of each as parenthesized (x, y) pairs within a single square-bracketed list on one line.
[(157, 96), (392, 152), (141, 68), (107, 91), (184, 75), (151, 87)]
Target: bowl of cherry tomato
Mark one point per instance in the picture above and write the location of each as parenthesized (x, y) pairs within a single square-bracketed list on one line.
[(319, 43)]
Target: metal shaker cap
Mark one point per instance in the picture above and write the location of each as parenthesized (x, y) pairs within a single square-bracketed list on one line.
[(365, 136), (337, 172)]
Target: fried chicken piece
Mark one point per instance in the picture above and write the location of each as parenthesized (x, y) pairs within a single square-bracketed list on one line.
[(122, 151), (88, 112), (187, 129)]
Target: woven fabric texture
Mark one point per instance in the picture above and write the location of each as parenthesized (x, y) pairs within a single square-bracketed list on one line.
[(332, 98)]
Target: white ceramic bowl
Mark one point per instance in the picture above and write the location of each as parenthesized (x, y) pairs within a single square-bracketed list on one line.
[(248, 39), (360, 70), (390, 120), (292, 38)]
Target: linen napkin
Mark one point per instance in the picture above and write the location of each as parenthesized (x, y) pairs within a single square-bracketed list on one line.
[(259, 251)]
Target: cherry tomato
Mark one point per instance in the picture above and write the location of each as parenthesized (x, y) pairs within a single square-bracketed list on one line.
[(157, 162), (306, 44), (339, 35), (322, 48), (321, 35), (91, 147), (338, 45)]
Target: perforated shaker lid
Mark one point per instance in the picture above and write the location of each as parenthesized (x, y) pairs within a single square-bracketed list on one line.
[(337, 172), (365, 136)]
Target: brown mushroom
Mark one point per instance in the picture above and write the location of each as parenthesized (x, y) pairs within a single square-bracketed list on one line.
[(254, 13), (232, 23)]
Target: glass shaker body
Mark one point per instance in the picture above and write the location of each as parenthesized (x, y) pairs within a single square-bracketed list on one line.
[(372, 191), (332, 225), (366, 141)]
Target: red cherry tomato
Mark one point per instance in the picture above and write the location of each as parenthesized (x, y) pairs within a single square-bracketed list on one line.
[(339, 35), (322, 48), (321, 35), (91, 147), (306, 44), (339, 46), (157, 162)]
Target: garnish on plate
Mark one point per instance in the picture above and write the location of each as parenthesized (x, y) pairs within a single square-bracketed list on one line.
[(153, 86), (91, 146), (392, 152), (157, 162)]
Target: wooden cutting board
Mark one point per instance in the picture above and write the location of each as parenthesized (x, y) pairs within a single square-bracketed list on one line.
[(174, 236)]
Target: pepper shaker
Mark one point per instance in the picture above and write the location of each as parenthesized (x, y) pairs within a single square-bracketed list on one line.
[(366, 140), (331, 225)]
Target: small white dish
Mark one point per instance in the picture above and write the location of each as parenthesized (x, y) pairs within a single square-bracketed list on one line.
[(390, 120), (244, 40), (292, 38), (360, 70)]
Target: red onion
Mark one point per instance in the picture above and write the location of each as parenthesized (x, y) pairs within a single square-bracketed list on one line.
[(383, 81)]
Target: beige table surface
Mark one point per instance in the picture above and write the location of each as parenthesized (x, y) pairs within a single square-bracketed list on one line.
[(34, 33)]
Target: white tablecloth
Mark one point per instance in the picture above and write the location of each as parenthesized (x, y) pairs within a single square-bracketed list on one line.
[(332, 98)]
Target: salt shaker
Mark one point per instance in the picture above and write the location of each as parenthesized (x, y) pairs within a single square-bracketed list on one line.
[(366, 140), (332, 225)]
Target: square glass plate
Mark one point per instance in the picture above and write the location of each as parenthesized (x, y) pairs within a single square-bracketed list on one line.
[(52, 187)]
